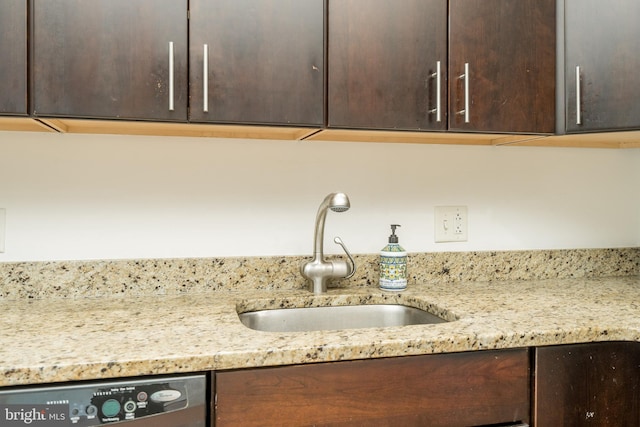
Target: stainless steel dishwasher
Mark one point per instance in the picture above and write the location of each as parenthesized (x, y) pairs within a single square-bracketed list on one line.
[(176, 401)]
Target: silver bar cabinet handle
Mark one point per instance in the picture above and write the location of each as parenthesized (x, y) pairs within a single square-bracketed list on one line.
[(578, 96), (437, 110), (465, 76), (205, 79), (171, 76)]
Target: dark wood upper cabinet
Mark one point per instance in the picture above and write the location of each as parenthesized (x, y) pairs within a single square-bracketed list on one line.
[(602, 46), (486, 66), (384, 56), (110, 59), (461, 389), (509, 46), (383, 63), (13, 54), (257, 61), (594, 384)]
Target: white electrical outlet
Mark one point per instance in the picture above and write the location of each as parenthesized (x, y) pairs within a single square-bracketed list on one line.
[(451, 224), (3, 220)]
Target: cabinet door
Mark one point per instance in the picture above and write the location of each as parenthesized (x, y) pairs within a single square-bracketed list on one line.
[(383, 64), (476, 388), (257, 61), (110, 58), (587, 384), (509, 49), (602, 46), (13, 57)]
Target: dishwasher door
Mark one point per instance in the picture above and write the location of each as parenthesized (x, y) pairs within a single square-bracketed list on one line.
[(176, 401)]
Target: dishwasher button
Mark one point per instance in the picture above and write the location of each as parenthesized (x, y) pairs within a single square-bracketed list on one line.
[(165, 396), (111, 408), (91, 410), (130, 406)]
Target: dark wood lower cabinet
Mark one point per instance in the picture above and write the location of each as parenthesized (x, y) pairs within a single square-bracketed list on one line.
[(458, 389), (595, 384)]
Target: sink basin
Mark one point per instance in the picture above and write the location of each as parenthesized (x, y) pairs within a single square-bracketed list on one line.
[(336, 318)]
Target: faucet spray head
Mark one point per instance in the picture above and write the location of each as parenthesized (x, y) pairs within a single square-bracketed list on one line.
[(338, 202)]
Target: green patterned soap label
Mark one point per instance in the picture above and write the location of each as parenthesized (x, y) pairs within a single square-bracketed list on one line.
[(393, 272)]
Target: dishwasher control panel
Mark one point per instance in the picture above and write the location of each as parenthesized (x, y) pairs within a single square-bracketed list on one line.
[(98, 403)]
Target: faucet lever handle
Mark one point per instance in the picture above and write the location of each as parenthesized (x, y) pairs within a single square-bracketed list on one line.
[(353, 263)]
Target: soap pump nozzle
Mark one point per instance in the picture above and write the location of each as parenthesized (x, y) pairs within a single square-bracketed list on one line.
[(393, 238)]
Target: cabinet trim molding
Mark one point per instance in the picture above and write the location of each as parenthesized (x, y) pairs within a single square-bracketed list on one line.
[(628, 139)]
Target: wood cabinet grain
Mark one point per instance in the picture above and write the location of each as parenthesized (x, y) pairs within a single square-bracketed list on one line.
[(602, 63), (110, 59), (509, 46), (265, 61), (595, 384), (13, 57), (475, 388), (383, 59)]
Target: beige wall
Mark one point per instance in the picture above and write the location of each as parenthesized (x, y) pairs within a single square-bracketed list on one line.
[(114, 197)]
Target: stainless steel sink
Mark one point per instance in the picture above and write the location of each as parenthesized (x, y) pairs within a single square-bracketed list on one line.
[(336, 318)]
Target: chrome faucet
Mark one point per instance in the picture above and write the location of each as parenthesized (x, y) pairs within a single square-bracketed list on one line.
[(318, 271)]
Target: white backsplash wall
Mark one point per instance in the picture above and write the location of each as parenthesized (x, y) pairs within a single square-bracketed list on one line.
[(80, 197)]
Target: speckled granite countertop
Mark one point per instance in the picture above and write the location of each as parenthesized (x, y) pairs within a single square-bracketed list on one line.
[(51, 340)]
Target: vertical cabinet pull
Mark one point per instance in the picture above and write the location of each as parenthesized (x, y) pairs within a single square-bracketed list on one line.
[(437, 75), (205, 79), (465, 76), (578, 96), (171, 76)]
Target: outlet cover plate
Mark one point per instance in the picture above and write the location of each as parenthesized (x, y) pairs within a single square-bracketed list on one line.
[(451, 224)]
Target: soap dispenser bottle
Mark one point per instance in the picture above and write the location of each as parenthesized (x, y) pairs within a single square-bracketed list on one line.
[(393, 264)]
